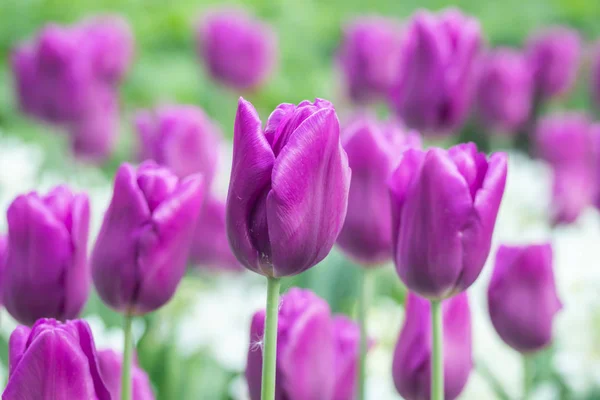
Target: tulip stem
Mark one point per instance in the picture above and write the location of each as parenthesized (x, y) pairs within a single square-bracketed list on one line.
[(527, 376), (437, 366), (270, 340), (363, 295), (127, 353)]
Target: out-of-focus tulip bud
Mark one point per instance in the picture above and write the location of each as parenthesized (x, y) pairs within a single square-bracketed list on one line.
[(435, 89), (110, 363), (522, 296), (237, 49), (370, 56), (444, 208), (411, 368), (142, 248), (504, 90), (573, 190), (54, 361), (317, 354), (373, 149), (181, 138), (554, 59), (26, 79), (46, 273), (289, 185)]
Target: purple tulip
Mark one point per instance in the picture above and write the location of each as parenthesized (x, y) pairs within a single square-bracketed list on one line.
[(554, 58), (573, 190), (46, 273), (370, 56), (317, 355), (411, 368), (596, 77), (374, 150), (434, 92), (142, 248), (54, 361), (237, 49), (504, 90), (181, 138), (289, 185), (110, 363), (522, 296), (444, 207), (3, 258)]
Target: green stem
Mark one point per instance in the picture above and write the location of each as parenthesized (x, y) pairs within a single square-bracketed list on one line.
[(270, 340), (527, 376), (363, 295), (437, 365), (127, 353)]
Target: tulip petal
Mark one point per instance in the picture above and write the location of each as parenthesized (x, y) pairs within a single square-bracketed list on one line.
[(16, 346), (86, 342), (347, 353)]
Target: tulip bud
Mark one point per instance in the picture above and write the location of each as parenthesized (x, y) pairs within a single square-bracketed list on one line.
[(110, 364), (522, 296), (411, 368), (182, 138), (46, 273), (374, 150), (370, 57), (237, 49), (444, 208), (433, 94), (554, 58), (54, 361), (26, 83), (141, 251), (289, 185), (504, 90), (317, 354)]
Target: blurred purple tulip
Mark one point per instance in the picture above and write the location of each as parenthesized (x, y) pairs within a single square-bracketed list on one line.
[(522, 296), (374, 149), (237, 49), (289, 185), (54, 361), (411, 368), (47, 273), (554, 59), (444, 207), (141, 251), (435, 89), (110, 363), (370, 56), (504, 90), (317, 354), (3, 258)]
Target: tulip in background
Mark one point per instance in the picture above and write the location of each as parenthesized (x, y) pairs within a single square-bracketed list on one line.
[(110, 363), (317, 353), (141, 251), (237, 49), (595, 79), (434, 90), (3, 257), (47, 272), (54, 360), (370, 57), (287, 199)]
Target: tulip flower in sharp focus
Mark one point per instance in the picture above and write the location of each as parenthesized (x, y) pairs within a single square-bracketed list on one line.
[(522, 296), (46, 272), (317, 353), (411, 367), (444, 208), (110, 363), (56, 361), (289, 185)]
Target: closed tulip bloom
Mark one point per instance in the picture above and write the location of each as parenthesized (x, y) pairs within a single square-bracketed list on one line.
[(110, 363), (554, 58), (522, 296), (141, 251), (370, 56), (317, 354), (181, 138), (564, 139), (237, 49), (46, 272), (54, 361), (434, 92), (444, 208), (411, 368), (26, 79), (504, 90), (573, 191), (374, 150), (289, 185)]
